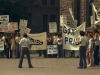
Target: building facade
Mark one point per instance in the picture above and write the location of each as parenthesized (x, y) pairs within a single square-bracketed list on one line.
[(47, 11), (81, 9)]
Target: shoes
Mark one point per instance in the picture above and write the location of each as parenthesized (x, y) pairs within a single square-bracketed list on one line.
[(79, 67), (31, 67), (19, 67)]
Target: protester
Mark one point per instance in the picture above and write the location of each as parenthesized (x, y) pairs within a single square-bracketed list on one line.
[(25, 45), (87, 34), (49, 42), (13, 42), (82, 50), (54, 39), (59, 45), (1, 52), (91, 50), (4, 38), (96, 47), (17, 38), (8, 46)]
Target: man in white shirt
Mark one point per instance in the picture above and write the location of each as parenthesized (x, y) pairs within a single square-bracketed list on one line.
[(82, 50), (25, 45)]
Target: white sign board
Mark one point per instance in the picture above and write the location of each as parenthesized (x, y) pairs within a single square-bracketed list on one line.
[(52, 27), (1, 45), (63, 20), (4, 18), (12, 26), (4, 26), (72, 23), (52, 49), (23, 23)]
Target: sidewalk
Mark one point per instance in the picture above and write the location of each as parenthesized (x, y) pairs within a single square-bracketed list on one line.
[(45, 66)]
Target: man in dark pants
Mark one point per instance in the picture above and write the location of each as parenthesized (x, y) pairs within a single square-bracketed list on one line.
[(39, 52), (24, 44), (82, 50)]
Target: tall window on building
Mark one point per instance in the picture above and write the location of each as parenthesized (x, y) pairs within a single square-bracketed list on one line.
[(52, 18), (29, 20), (52, 2), (45, 23), (44, 2)]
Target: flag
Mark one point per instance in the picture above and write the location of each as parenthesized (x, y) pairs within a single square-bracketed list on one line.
[(70, 10), (95, 14)]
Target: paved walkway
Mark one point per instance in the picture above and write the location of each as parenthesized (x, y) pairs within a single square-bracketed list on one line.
[(46, 66)]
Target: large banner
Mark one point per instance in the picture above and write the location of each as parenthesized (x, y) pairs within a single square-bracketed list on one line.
[(70, 36), (52, 49), (38, 41), (1, 45)]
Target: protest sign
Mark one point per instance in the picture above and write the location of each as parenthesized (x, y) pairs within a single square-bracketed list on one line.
[(1, 45), (4, 18), (63, 20), (23, 23), (52, 27), (52, 49)]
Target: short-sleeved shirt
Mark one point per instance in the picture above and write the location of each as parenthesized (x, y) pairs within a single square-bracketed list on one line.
[(87, 46), (17, 39), (24, 42), (83, 41), (54, 39), (59, 40)]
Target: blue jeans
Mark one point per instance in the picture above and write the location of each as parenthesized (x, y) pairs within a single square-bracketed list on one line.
[(60, 51), (82, 53), (17, 50)]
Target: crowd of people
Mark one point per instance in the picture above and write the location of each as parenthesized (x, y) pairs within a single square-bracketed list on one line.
[(89, 48), (53, 39), (11, 45)]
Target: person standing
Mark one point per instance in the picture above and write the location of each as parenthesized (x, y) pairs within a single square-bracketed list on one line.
[(82, 50), (54, 38), (17, 38), (13, 42), (87, 34), (4, 38), (24, 44), (96, 47), (91, 50), (60, 46)]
